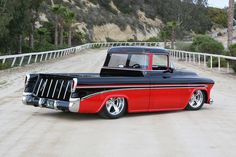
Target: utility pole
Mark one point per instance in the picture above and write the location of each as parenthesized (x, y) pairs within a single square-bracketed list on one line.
[(230, 22)]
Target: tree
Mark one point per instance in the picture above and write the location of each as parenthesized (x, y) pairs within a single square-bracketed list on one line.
[(173, 25), (164, 35), (230, 22), (218, 16), (19, 22), (34, 15), (59, 12), (5, 17), (69, 20)]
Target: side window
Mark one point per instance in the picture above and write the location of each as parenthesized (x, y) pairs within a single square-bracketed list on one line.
[(138, 61), (160, 62), (118, 60)]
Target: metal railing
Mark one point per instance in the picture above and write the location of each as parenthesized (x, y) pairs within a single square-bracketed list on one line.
[(28, 58), (204, 59)]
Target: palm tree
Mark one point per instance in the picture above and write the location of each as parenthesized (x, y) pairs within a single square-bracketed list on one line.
[(69, 20), (173, 25), (34, 14), (59, 12), (230, 22), (55, 10)]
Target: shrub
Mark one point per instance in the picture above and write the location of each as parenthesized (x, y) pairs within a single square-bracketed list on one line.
[(109, 39), (232, 52), (153, 39), (218, 16), (96, 46), (124, 6), (204, 43), (5, 66), (219, 34), (183, 46), (223, 62)]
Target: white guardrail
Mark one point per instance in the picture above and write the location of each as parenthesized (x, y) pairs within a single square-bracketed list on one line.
[(193, 57)]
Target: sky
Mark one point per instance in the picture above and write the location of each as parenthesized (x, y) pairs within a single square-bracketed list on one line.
[(218, 3)]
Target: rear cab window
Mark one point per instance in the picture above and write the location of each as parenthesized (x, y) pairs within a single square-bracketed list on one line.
[(128, 60)]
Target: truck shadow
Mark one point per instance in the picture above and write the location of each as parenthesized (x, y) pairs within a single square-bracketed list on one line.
[(90, 117)]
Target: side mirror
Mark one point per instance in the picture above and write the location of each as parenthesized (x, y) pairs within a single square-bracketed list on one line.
[(172, 66), (170, 70)]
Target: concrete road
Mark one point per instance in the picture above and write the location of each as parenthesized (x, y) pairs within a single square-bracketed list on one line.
[(27, 131)]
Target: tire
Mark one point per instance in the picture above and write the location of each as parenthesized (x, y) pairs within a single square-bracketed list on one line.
[(196, 101), (113, 108)]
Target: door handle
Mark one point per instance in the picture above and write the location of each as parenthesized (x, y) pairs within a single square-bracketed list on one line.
[(165, 77)]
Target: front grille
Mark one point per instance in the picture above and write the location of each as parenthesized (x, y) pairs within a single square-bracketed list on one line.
[(53, 87)]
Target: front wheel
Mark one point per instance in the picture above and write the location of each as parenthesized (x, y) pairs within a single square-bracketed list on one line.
[(196, 101), (114, 108)]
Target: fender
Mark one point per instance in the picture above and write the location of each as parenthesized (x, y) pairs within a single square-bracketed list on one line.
[(202, 89), (112, 96)]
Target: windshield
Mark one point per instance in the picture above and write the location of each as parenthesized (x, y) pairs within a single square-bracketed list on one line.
[(136, 61)]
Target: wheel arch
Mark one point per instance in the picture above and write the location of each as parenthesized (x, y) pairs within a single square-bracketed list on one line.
[(204, 90), (111, 96)]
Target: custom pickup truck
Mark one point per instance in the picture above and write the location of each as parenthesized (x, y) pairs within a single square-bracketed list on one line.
[(132, 79)]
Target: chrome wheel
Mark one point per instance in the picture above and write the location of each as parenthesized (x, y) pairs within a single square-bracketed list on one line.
[(115, 106), (196, 100)]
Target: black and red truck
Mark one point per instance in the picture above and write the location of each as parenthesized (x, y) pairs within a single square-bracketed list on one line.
[(132, 79)]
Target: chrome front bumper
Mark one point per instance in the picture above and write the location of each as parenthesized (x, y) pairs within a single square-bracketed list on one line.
[(72, 105)]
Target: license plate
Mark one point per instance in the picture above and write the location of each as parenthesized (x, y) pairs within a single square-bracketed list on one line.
[(50, 103)]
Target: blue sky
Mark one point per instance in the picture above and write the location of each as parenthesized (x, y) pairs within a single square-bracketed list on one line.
[(218, 3)]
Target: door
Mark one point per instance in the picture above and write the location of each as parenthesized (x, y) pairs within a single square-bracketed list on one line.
[(165, 92)]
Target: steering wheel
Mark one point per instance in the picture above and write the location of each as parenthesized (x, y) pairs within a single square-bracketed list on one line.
[(136, 66)]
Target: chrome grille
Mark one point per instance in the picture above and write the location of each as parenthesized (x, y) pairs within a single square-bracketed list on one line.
[(53, 87)]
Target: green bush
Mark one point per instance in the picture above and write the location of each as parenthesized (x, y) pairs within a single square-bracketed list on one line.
[(233, 64), (232, 52), (206, 44), (5, 66), (223, 62), (96, 46), (109, 39), (183, 46), (153, 39), (218, 16), (124, 6), (130, 40)]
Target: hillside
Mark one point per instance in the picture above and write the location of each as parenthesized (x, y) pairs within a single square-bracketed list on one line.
[(131, 19), (104, 20), (39, 25)]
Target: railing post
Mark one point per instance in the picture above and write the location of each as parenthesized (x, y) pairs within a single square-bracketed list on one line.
[(41, 58), (227, 66), (36, 57), (3, 61), (219, 63), (55, 53), (186, 57), (29, 59), (21, 61), (211, 61), (46, 56), (13, 63), (50, 56), (204, 62), (199, 59)]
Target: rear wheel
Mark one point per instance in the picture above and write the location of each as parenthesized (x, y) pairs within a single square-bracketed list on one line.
[(196, 101), (114, 108)]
